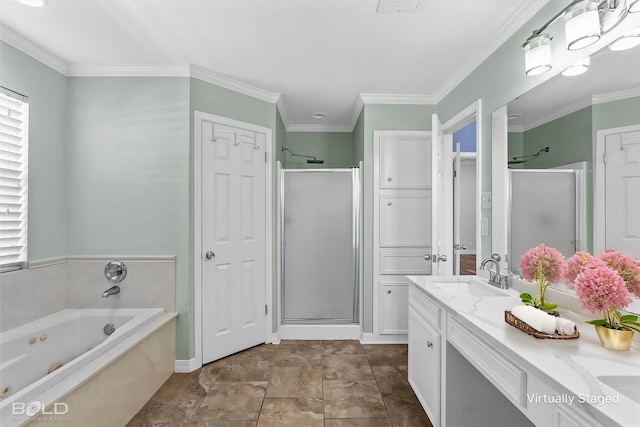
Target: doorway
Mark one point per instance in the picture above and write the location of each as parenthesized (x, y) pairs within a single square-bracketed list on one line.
[(233, 257)]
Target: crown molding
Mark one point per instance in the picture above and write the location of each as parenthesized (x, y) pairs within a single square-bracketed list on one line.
[(35, 51), (616, 96), (283, 112), (515, 128), (382, 98), (86, 70), (319, 128), (226, 82), (581, 103), (556, 114), (517, 21), (355, 115)]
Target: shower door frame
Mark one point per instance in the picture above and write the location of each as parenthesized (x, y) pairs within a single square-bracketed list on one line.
[(334, 329)]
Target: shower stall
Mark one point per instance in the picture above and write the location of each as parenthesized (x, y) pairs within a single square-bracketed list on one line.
[(320, 233)]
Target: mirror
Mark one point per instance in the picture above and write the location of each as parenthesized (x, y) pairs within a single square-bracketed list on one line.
[(571, 123)]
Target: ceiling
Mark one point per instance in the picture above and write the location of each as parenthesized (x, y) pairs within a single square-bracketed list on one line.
[(319, 55)]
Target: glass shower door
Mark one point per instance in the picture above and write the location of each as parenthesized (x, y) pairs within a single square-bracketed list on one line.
[(319, 245)]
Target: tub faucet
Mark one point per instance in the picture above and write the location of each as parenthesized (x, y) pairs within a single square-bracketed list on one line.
[(111, 291), (495, 278)]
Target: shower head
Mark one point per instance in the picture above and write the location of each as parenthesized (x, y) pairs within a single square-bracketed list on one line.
[(310, 159)]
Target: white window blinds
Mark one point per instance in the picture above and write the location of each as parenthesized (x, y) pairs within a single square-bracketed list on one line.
[(14, 112)]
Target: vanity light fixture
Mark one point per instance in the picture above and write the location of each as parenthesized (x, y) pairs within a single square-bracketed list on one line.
[(537, 54), (627, 41), (585, 21), (582, 24), (578, 68), (34, 3)]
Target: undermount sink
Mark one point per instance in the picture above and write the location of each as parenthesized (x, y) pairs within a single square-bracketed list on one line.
[(626, 385), (465, 289)]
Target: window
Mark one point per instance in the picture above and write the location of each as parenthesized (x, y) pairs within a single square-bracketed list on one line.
[(14, 114)]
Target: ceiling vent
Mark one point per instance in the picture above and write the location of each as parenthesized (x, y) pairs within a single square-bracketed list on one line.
[(400, 6)]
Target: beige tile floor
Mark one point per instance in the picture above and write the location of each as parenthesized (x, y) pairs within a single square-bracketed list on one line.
[(296, 383)]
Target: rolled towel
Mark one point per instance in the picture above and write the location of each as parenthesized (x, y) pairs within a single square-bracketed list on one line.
[(565, 326), (537, 319)]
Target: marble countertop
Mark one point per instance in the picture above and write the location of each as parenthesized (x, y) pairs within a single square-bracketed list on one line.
[(571, 367)]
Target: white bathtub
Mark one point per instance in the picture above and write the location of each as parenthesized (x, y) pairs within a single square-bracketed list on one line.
[(75, 339)]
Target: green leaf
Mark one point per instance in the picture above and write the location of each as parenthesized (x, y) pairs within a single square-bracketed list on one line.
[(601, 322), (548, 306), (628, 318), (526, 298)]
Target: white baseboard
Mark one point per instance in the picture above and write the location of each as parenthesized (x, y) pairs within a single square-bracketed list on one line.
[(275, 338), (319, 332), (185, 366), (369, 338)]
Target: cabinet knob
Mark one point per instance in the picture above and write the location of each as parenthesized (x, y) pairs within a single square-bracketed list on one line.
[(389, 179), (388, 292), (389, 203), (429, 344)]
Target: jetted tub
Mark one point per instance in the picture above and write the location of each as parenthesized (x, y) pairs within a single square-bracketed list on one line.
[(44, 361)]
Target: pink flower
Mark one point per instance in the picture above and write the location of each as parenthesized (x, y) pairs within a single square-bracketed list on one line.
[(627, 267), (601, 289), (577, 264), (542, 263)]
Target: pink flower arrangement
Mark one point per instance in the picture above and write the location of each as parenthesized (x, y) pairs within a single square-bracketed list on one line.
[(604, 284), (544, 265)]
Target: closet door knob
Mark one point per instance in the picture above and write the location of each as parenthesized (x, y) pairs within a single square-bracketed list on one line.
[(427, 257), (389, 203), (209, 255), (429, 344), (389, 179)]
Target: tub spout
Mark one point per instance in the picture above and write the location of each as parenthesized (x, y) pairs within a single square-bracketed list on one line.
[(111, 291)]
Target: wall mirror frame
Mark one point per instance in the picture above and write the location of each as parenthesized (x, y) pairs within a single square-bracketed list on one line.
[(607, 95)]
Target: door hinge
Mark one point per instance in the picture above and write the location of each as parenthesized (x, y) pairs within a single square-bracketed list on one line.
[(455, 174), (266, 309), (265, 157), (604, 157)]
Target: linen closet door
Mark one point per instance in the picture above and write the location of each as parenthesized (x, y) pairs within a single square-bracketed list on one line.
[(319, 262)]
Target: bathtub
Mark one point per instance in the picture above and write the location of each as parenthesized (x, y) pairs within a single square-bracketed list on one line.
[(47, 366)]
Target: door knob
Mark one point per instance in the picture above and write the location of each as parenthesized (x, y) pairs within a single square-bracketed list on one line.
[(209, 255), (389, 179), (427, 257), (429, 344), (442, 258)]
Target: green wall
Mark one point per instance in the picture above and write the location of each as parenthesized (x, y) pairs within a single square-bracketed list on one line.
[(128, 175), (624, 112), (48, 101), (335, 148)]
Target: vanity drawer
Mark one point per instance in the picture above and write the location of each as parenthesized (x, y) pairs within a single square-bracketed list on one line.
[(423, 305), (409, 262), (506, 376)]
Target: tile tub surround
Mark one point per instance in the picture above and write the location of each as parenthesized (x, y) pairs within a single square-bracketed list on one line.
[(27, 295), (78, 282), (569, 367), (296, 383)]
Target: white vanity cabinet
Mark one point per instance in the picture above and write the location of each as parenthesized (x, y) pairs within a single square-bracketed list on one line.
[(402, 225), (467, 369), (425, 354)]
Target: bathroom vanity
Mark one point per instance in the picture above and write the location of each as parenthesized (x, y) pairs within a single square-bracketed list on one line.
[(469, 367)]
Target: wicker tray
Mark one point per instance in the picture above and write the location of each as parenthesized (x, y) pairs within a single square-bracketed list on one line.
[(522, 326)]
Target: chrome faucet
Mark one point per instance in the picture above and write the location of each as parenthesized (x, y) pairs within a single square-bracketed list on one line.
[(495, 278), (111, 291)]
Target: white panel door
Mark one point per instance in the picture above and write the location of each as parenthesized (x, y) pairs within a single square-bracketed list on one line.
[(441, 216), (233, 240), (622, 193)]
